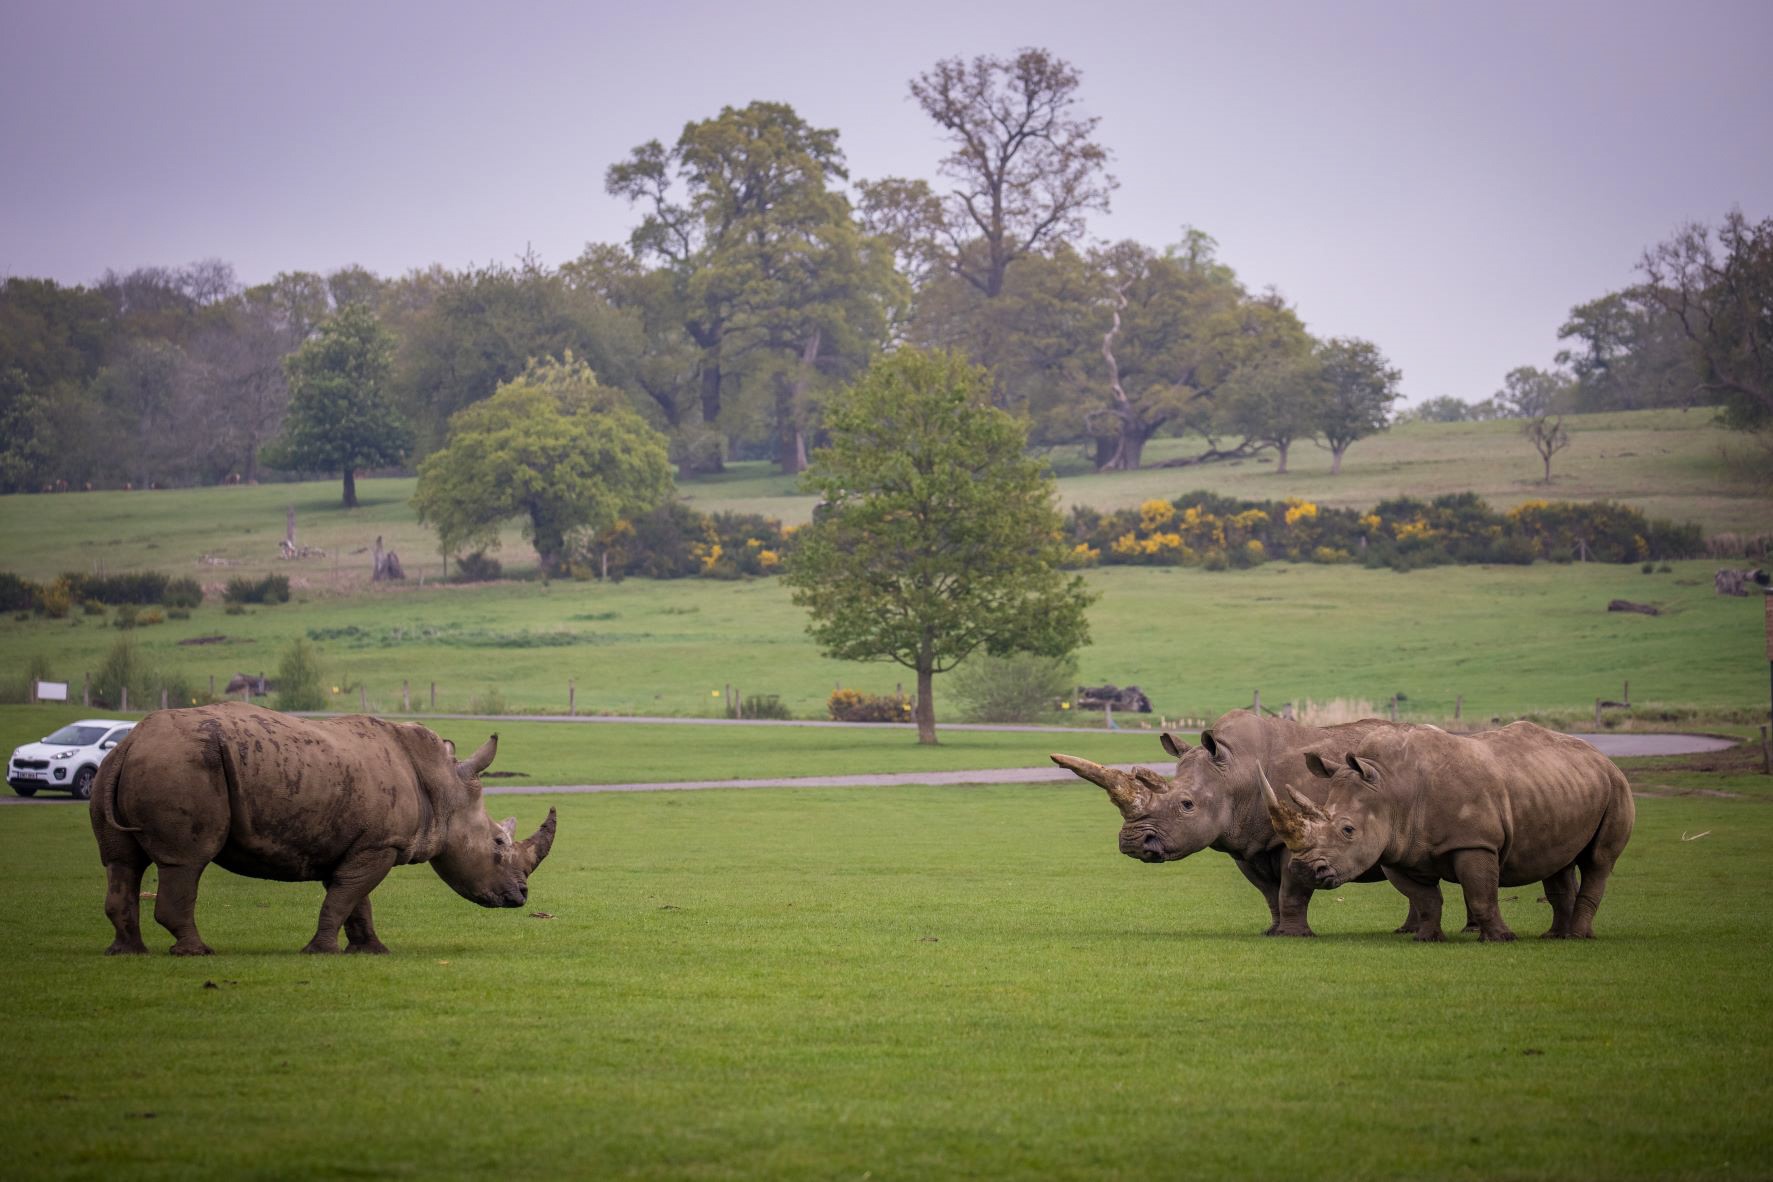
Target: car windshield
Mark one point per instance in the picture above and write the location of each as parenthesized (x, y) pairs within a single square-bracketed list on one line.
[(77, 736)]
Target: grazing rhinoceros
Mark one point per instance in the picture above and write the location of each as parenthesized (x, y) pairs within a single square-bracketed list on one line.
[(1215, 802), (340, 801), (1507, 807)]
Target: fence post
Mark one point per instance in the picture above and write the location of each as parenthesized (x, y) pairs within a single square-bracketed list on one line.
[(572, 697), (1256, 703), (86, 688), (433, 695), (1625, 695), (212, 687), (1597, 713), (125, 705), (405, 697), (1458, 706), (1394, 707), (362, 699), (163, 697)]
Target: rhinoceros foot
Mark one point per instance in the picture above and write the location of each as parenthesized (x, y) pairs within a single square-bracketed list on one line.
[(1434, 936), (319, 946), (1300, 930), (374, 947), (121, 948), (1500, 936), (192, 948)]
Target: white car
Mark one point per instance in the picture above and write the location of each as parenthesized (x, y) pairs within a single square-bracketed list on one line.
[(67, 760)]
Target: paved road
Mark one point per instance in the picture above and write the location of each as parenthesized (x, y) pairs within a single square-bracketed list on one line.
[(1613, 746)]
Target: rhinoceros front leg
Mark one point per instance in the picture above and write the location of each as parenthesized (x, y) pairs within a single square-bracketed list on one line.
[(1479, 873), (175, 908), (1295, 905), (360, 931), (1269, 886), (347, 889), (1425, 905)]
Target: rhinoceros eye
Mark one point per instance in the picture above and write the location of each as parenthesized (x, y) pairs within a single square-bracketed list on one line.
[(1348, 831), (1187, 806)]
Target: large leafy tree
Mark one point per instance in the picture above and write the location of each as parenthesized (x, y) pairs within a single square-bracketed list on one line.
[(937, 536), (1356, 389), (551, 447), (742, 214), (1721, 294), (340, 417)]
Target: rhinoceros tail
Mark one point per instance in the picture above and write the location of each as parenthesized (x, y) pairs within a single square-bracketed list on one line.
[(104, 786)]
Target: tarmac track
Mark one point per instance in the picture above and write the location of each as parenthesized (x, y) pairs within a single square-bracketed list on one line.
[(1612, 746)]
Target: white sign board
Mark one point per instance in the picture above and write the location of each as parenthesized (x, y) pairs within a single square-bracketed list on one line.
[(52, 691)]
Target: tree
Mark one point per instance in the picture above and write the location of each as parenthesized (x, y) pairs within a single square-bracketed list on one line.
[(737, 205), (1530, 393), (1632, 354), (553, 447), (1025, 164), (340, 418), (936, 536), (1724, 306), (1547, 435), (1358, 388)]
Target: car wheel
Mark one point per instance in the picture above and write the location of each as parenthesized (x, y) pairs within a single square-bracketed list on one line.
[(82, 786), (25, 789)]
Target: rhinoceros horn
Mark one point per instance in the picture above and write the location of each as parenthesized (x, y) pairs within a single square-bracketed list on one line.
[(1124, 790), (481, 759), (1288, 819), (535, 847)]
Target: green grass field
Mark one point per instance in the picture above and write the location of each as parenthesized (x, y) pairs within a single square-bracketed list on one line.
[(1511, 641), (916, 983)]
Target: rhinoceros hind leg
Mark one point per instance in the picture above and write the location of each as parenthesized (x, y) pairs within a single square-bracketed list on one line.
[(123, 904), (1479, 873), (347, 889), (1424, 917), (360, 931), (1560, 892), (175, 908)]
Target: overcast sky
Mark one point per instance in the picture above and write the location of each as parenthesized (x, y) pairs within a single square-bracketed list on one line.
[(1444, 179)]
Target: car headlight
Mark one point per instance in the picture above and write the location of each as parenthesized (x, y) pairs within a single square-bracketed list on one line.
[(64, 755)]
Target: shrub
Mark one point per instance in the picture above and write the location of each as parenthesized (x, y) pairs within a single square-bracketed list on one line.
[(1020, 687), (270, 589), (184, 593), (121, 669), (235, 609), (126, 616), (56, 599), (491, 702), (847, 705), (17, 594), (299, 682), (138, 587), (478, 568), (92, 607), (761, 706)]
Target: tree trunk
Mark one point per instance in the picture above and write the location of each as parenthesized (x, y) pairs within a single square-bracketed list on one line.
[(1336, 451), (926, 700), (1547, 458), (1281, 447), (790, 401), (350, 488)]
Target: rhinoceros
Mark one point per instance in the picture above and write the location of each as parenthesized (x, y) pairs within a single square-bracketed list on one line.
[(1214, 801), (1511, 806), (340, 801)]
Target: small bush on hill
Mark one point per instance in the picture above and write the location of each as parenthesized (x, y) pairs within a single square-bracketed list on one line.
[(17, 594), (183, 593), (270, 589), (761, 706), (478, 568), (847, 705), (1017, 688), (138, 587), (299, 681)]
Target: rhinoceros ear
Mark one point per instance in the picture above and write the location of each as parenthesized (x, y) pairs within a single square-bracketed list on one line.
[(1172, 744), (1317, 766), (1217, 750), (1366, 769), (449, 748), (481, 759), (1151, 781)]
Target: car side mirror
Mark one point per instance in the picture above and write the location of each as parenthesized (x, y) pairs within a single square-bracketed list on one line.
[(107, 744)]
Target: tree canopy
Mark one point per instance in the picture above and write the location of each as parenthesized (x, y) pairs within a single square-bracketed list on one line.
[(551, 447), (937, 537), (340, 416)]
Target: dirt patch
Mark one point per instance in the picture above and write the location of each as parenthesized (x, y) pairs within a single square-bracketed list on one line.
[(214, 640)]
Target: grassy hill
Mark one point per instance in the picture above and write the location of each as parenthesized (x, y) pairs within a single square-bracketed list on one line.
[(1672, 464)]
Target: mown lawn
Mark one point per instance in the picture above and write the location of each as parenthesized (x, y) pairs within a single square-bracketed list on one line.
[(915, 983)]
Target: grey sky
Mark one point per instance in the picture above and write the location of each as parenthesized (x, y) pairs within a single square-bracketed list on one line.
[(1444, 179)]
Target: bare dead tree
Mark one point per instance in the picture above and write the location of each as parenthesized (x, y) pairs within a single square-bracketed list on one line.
[(1026, 166), (1548, 437)]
